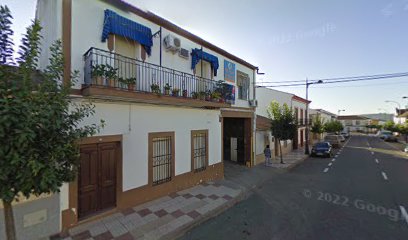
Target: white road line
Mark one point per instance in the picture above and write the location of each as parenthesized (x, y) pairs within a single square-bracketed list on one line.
[(372, 153), (326, 169), (404, 213), (330, 164), (376, 160), (336, 155), (333, 159), (384, 175)]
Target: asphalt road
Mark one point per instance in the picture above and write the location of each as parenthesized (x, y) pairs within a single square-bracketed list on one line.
[(361, 194)]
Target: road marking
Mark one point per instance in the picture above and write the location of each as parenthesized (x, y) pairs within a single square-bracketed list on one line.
[(333, 159), (404, 213), (384, 175), (326, 169), (372, 153), (376, 160), (330, 164), (336, 155)]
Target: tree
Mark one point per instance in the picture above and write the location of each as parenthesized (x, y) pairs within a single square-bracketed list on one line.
[(283, 123), (317, 125), (333, 126), (6, 44), (39, 125), (390, 126)]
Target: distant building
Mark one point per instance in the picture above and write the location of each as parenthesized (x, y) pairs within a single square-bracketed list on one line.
[(384, 117), (354, 123)]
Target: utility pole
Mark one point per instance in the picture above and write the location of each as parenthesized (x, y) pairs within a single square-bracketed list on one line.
[(307, 120)]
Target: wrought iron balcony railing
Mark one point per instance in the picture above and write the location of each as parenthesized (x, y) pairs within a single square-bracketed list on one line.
[(111, 70)]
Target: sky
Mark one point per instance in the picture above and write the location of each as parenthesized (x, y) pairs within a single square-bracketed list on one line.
[(293, 40)]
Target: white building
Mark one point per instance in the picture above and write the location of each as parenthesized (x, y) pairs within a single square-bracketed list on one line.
[(264, 136), (354, 123), (325, 116), (155, 141)]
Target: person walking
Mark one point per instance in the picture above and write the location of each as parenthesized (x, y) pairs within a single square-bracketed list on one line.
[(267, 153)]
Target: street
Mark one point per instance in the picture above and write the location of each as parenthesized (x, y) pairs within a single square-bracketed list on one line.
[(361, 193)]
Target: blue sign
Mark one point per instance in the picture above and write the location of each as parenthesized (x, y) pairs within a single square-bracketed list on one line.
[(229, 71)]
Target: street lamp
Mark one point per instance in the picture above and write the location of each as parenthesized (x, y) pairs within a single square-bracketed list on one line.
[(338, 111), (307, 116), (405, 97)]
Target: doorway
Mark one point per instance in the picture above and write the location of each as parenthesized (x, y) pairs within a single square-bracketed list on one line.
[(97, 178), (237, 139)]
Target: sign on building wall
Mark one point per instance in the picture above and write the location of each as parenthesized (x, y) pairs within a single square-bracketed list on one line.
[(229, 71)]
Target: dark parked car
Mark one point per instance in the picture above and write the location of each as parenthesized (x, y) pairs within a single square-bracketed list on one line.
[(390, 138), (323, 149)]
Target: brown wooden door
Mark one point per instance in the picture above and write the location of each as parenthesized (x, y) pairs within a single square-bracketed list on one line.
[(97, 178)]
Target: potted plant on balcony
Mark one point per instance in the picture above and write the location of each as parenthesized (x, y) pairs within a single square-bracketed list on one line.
[(215, 96), (201, 95), (111, 75), (175, 92), (185, 93), (208, 95), (155, 88), (130, 82), (167, 88), (98, 73), (194, 95)]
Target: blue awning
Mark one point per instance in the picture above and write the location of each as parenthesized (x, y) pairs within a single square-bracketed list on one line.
[(198, 54), (116, 24)]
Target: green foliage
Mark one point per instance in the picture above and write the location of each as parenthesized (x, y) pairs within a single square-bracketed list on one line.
[(6, 44), (317, 125), (374, 126), (390, 126), (283, 121), (40, 124), (333, 126)]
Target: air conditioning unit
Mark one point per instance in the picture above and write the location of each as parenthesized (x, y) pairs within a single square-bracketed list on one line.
[(172, 43), (253, 103), (184, 53)]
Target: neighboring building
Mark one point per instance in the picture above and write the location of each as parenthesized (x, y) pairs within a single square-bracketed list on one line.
[(354, 123), (153, 143), (263, 134), (325, 116), (401, 115)]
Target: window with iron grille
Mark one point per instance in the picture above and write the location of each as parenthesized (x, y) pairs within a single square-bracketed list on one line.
[(242, 85), (162, 157), (199, 150)]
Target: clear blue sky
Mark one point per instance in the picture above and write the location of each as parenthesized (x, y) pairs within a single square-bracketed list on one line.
[(296, 39)]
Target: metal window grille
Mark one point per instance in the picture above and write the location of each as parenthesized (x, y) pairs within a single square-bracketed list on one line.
[(162, 156), (200, 151)]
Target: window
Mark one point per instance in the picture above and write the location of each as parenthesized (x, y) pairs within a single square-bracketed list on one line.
[(199, 150), (242, 85), (161, 157)]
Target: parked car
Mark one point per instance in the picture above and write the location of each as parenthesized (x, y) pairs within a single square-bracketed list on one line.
[(334, 140), (323, 149), (390, 138), (345, 134), (342, 138), (382, 134), (406, 148)]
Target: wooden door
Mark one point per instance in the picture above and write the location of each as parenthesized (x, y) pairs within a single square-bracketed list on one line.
[(97, 178)]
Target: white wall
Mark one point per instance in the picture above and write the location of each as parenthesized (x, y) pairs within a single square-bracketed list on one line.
[(147, 118), (265, 96), (87, 25), (49, 13)]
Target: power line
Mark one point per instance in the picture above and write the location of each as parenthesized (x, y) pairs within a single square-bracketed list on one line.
[(340, 78), (351, 86), (352, 79)]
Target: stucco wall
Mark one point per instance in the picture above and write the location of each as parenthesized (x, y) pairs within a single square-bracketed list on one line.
[(265, 96)]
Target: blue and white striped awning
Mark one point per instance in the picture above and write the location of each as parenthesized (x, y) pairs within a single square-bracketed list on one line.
[(116, 24), (198, 54)]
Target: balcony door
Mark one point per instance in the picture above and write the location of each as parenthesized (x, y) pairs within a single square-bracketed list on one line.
[(125, 62), (203, 71)]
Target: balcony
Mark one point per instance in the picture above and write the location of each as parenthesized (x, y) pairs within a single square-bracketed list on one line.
[(302, 122), (112, 76)]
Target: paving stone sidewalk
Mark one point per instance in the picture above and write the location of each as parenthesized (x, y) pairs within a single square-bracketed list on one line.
[(159, 218), (170, 216)]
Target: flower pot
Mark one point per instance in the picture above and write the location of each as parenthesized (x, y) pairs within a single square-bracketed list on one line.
[(202, 98), (98, 80), (111, 82), (207, 98), (185, 93), (175, 94), (131, 87)]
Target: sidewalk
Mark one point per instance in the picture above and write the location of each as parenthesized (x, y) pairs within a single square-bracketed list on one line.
[(171, 216), (290, 160)]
